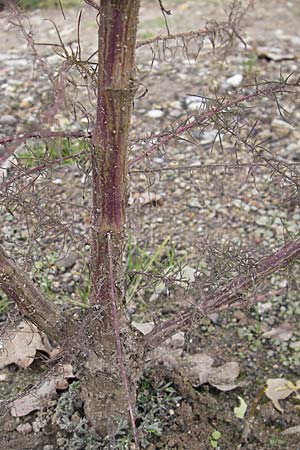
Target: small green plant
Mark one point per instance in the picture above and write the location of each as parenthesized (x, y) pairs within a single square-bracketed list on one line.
[(214, 439), (156, 403), (139, 260), (249, 64), (4, 304), (35, 4), (163, 262), (38, 152)]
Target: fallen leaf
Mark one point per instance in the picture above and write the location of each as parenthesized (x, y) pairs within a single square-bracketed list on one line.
[(240, 411), (176, 341), (19, 345), (35, 400), (284, 332), (38, 398), (199, 368), (223, 377), (277, 389), (145, 327), (291, 430)]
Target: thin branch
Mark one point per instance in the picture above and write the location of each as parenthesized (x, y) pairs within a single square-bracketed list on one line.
[(93, 4), (19, 288), (165, 13), (185, 35), (44, 134), (204, 166), (120, 355), (232, 293), (164, 138), (37, 169)]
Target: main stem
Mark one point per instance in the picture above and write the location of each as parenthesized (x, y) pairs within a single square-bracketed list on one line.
[(117, 85)]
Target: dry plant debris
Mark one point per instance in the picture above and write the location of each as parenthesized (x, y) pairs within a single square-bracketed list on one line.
[(279, 389), (42, 396), (19, 345)]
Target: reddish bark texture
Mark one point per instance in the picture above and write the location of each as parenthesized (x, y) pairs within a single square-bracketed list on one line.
[(31, 303), (116, 88)]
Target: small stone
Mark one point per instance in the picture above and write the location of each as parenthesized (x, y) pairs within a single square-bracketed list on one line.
[(76, 418), (61, 442), (281, 127), (262, 221), (214, 318), (208, 136), (263, 307), (235, 80), (295, 346), (67, 261), (8, 120), (155, 113), (26, 102), (24, 428), (240, 317), (175, 113), (194, 203)]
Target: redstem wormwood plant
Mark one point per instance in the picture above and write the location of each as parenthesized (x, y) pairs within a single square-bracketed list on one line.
[(106, 351)]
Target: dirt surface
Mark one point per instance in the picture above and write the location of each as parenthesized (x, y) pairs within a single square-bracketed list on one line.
[(218, 221)]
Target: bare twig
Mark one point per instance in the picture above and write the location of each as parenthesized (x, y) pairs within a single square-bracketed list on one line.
[(30, 301), (233, 292), (193, 121), (44, 134)]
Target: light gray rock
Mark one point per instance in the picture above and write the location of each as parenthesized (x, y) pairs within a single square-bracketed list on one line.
[(155, 113), (8, 120)]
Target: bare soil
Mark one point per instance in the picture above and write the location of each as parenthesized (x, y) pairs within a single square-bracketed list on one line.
[(205, 213)]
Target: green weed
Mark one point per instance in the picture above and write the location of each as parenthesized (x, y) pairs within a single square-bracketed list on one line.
[(38, 153), (47, 4)]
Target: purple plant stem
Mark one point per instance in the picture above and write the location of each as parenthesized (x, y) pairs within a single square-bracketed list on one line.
[(116, 326), (230, 294)]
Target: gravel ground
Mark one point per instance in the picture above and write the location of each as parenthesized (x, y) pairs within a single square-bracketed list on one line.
[(218, 220)]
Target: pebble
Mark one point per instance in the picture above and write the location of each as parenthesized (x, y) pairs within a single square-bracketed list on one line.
[(27, 101), (194, 203), (61, 442), (281, 127), (195, 103), (8, 120), (234, 81), (67, 261), (175, 113), (24, 428), (155, 113), (295, 345)]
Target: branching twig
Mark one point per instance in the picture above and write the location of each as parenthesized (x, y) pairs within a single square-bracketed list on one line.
[(185, 35), (191, 122), (31, 303), (44, 134), (233, 292)]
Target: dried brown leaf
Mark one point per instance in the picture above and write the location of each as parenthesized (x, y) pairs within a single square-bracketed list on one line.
[(39, 398), (20, 345), (284, 332), (277, 389)]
